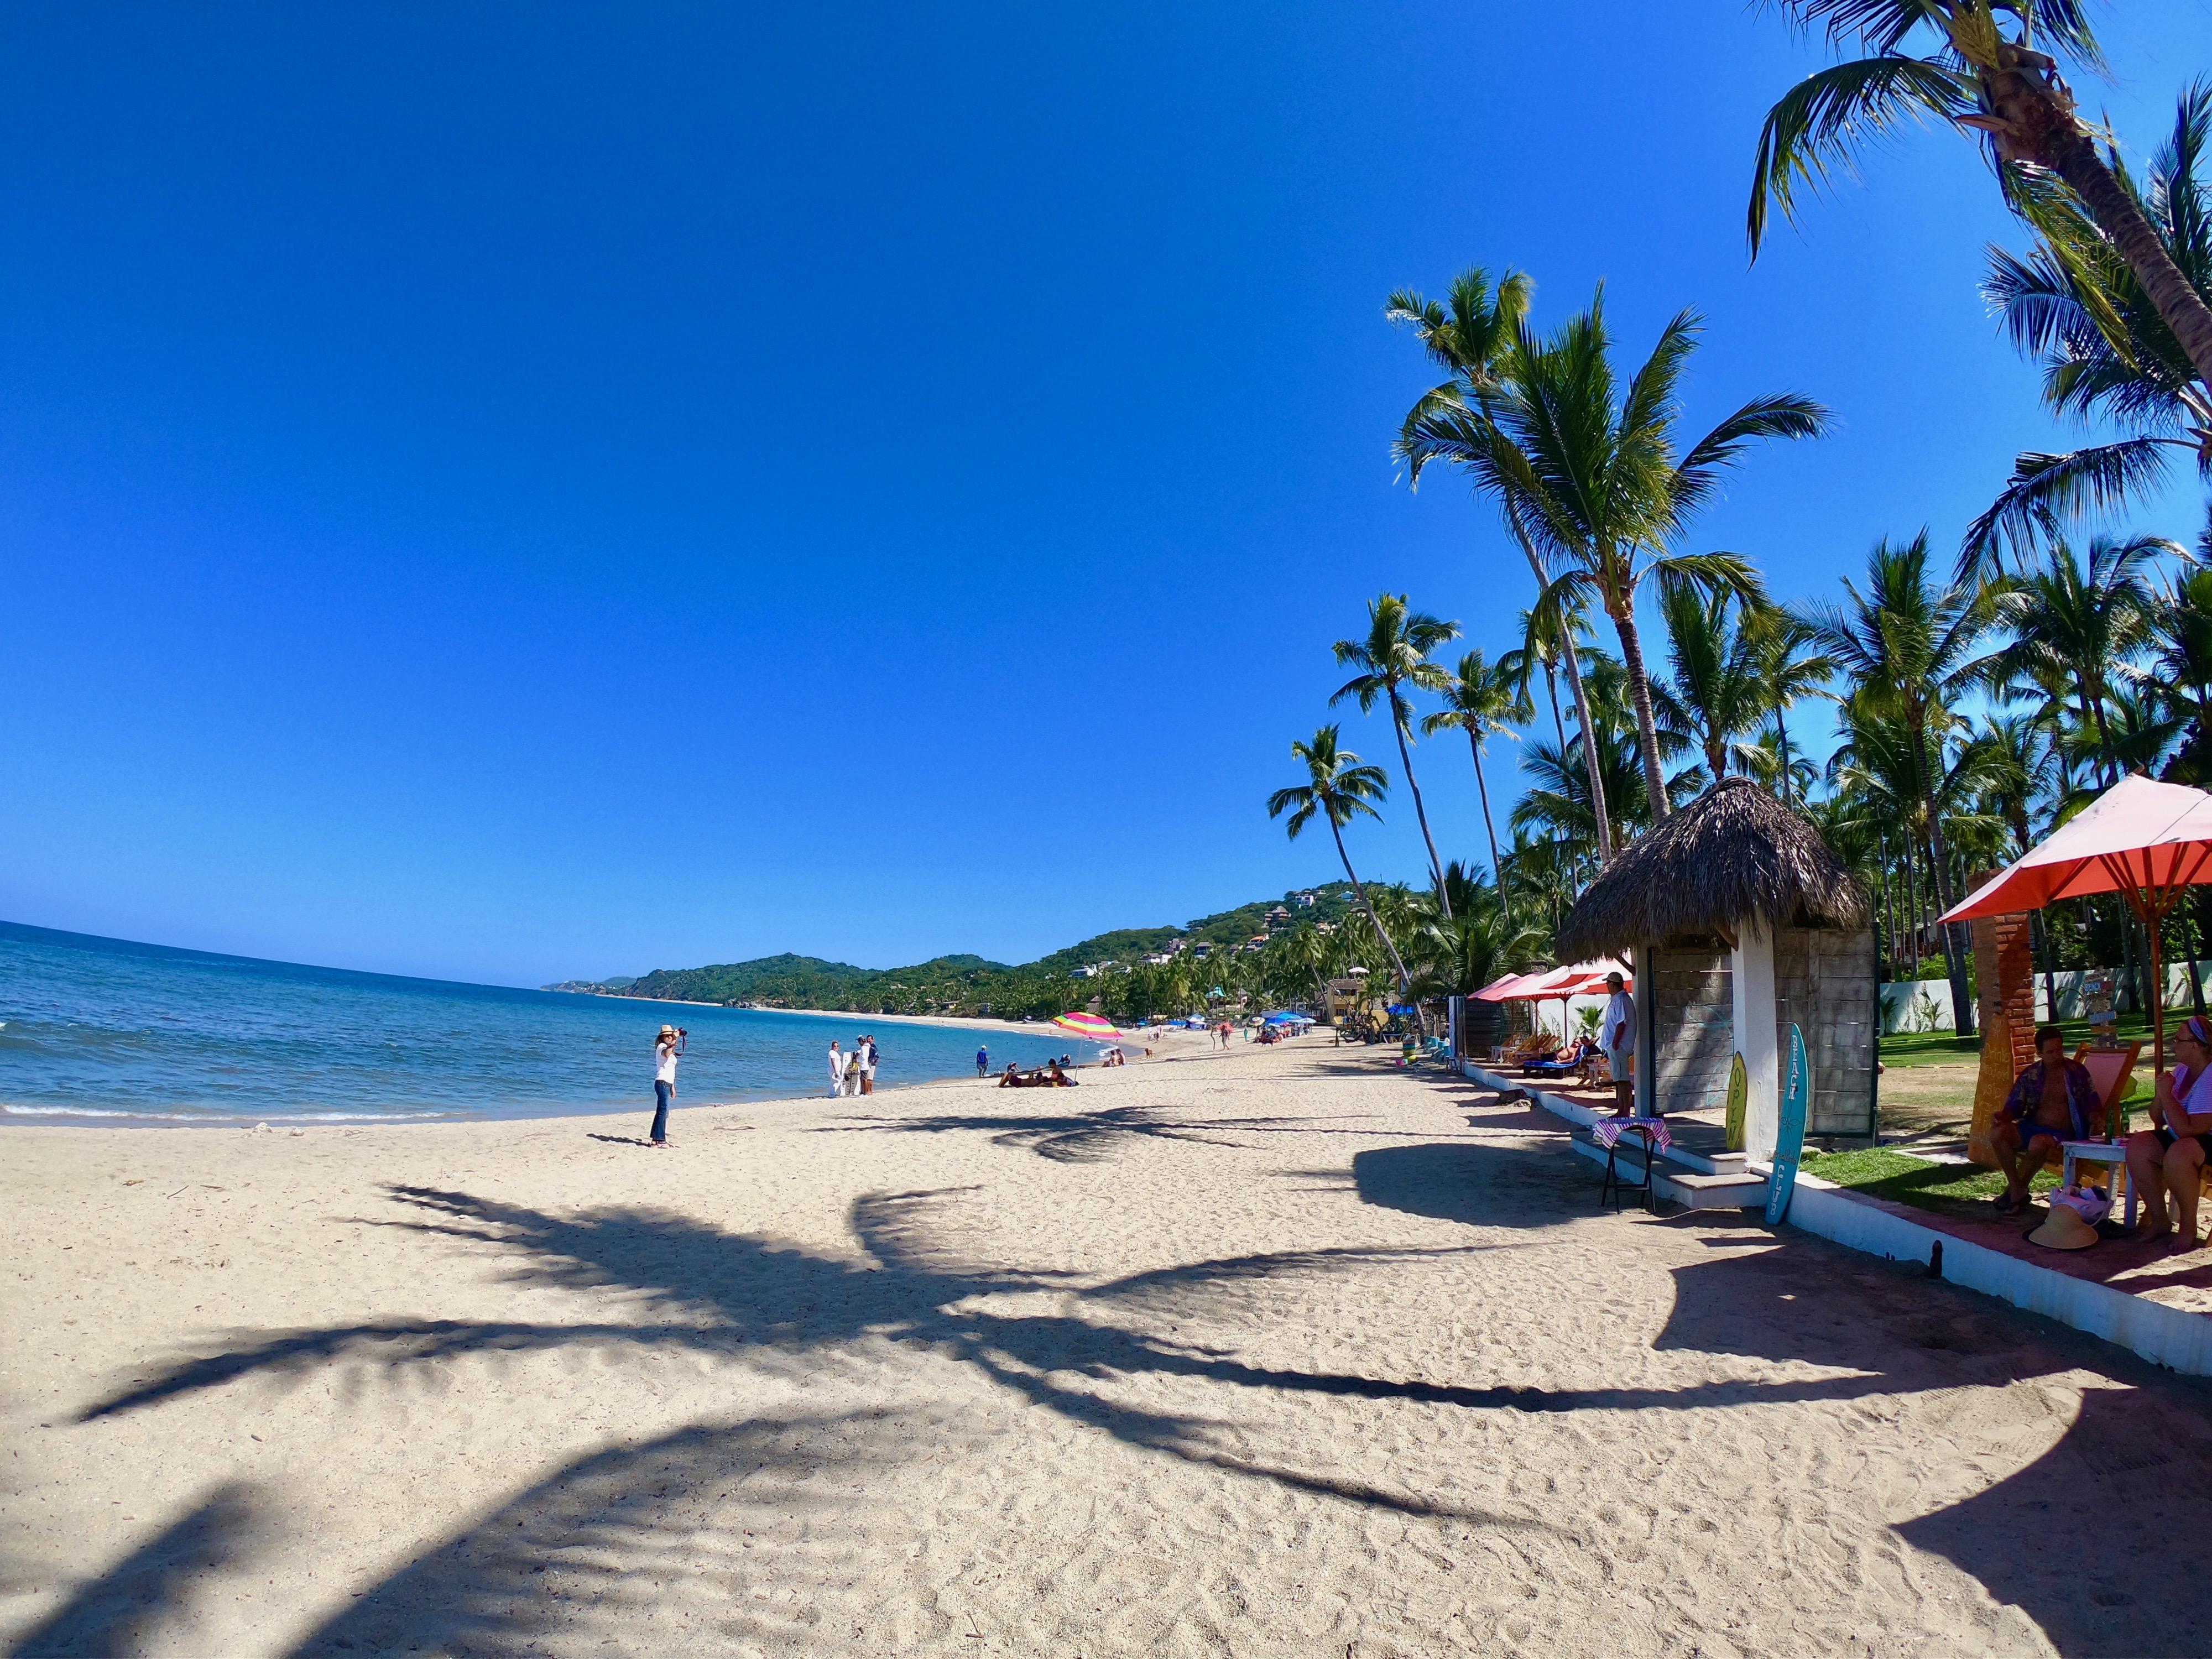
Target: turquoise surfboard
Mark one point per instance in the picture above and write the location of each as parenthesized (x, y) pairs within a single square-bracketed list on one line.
[(1790, 1132)]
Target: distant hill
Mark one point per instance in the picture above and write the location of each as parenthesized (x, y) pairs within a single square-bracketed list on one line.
[(956, 984)]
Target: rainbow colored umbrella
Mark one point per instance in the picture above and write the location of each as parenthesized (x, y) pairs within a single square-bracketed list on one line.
[(1087, 1025)]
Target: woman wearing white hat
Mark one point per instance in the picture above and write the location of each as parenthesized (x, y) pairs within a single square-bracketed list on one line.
[(666, 1048)]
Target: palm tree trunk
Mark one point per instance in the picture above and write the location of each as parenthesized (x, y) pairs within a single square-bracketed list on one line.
[(1640, 687), (1399, 716), (1551, 691), (1483, 788), (1913, 903), (2070, 152), (1572, 665), (1782, 741), (1405, 979), (1954, 964)]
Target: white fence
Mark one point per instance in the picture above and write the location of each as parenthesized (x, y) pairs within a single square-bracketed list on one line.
[(1910, 1005)]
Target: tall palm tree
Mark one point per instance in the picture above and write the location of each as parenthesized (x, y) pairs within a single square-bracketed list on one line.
[(2073, 304), (1909, 647), (2082, 623), (1482, 939), (1470, 338), (1337, 788), (1791, 669), (2008, 90), (1391, 656), (1482, 699), (1595, 471), (1714, 699)]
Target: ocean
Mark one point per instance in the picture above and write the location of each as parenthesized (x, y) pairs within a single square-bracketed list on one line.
[(99, 1031)]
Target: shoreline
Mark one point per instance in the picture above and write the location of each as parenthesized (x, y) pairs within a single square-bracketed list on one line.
[(288, 1123)]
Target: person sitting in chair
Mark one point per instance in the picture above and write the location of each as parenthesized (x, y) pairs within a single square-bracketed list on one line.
[(2054, 1100), (2171, 1157)]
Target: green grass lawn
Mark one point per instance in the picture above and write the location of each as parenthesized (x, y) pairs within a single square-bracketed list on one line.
[(1945, 1049), (1959, 1189)]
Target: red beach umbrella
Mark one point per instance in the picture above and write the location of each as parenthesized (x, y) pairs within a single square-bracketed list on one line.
[(2146, 841)]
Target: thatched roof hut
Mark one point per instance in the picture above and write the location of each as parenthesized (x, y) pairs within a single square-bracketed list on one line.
[(1733, 854)]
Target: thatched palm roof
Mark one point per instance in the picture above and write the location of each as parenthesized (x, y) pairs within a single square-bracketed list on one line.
[(1733, 854)]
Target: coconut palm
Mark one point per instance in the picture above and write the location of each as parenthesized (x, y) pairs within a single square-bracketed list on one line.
[(1391, 656), (2008, 90), (1337, 788), (2106, 353), (1909, 647), (1595, 471), (1480, 699), (1715, 699), (1479, 942), (2082, 623), (1791, 668), (1470, 338)]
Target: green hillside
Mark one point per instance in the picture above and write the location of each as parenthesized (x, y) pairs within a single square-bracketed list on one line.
[(956, 984)]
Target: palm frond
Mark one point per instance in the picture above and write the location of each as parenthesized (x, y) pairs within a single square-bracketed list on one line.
[(1820, 123)]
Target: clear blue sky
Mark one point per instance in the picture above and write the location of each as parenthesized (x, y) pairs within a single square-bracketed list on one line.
[(511, 491)]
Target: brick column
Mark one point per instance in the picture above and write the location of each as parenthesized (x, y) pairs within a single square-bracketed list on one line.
[(2004, 979)]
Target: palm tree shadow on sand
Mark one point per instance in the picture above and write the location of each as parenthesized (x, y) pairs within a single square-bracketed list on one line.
[(787, 1311), (1080, 1137)]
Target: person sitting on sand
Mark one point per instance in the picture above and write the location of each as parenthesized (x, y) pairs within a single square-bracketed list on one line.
[(1011, 1078), (2170, 1157), (1054, 1078), (2052, 1101)]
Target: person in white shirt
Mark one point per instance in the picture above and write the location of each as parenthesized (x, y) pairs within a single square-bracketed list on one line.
[(836, 1068), (1617, 1031), (867, 1064), (2169, 1156), (666, 1048)]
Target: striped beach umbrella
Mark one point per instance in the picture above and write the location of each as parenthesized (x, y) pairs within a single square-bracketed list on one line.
[(1087, 1025)]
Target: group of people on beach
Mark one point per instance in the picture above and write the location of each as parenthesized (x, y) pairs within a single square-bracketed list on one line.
[(852, 1071)]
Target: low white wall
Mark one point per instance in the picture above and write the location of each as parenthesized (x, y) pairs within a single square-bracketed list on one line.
[(1924, 1005)]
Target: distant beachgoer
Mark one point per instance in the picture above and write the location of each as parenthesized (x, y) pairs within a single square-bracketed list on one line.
[(836, 1068), (983, 1061), (852, 1069), (665, 1050), (1011, 1077), (868, 1065)]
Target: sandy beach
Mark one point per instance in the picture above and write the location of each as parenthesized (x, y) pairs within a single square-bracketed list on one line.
[(1275, 1352)]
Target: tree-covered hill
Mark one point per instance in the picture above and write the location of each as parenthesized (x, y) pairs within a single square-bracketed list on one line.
[(964, 984)]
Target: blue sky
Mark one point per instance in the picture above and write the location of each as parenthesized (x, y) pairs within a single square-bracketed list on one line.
[(522, 490)]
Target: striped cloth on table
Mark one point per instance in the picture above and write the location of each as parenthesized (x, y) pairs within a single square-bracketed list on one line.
[(1607, 1130)]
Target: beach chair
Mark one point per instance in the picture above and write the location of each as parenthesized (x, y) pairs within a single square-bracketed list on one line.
[(2109, 1070)]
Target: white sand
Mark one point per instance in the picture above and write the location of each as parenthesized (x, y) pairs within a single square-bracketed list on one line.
[(1269, 1353)]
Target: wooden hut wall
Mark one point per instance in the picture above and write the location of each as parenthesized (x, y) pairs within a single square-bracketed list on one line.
[(1823, 984), (1694, 1021)]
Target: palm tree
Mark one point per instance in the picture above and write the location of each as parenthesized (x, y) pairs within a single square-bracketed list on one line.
[(1337, 788), (2084, 624), (2008, 90), (1478, 700), (1715, 698), (1392, 655), (2106, 353), (1909, 647), (1790, 669), (1595, 470), (1479, 941), (1470, 339)]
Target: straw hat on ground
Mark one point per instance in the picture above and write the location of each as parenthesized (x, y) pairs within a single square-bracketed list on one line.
[(2064, 1230)]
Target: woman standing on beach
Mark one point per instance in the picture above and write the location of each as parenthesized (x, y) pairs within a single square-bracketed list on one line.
[(665, 1050), (836, 1068)]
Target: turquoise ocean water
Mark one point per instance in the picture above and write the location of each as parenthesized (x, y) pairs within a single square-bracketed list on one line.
[(99, 1030)]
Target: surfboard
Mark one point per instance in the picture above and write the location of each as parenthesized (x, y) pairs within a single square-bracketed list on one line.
[(1790, 1134), (1739, 1091)]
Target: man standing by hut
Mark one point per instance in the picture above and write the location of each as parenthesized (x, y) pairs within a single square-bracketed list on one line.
[(1619, 1036)]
